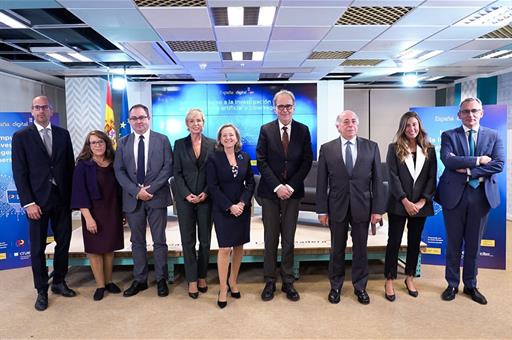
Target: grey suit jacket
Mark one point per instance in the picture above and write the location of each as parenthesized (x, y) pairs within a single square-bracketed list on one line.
[(158, 172), (336, 191)]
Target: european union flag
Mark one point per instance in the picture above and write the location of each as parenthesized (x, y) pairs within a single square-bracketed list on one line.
[(124, 125)]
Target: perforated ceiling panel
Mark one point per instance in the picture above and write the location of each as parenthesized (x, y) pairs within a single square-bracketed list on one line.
[(330, 55), (171, 3), (372, 15), (504, 32), (361, 62), (193, 46)]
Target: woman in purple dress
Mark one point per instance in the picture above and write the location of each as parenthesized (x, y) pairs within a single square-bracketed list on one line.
[(98, 196)]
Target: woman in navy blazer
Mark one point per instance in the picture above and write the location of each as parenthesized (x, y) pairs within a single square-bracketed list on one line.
[(412, 165), (98, 196), (231, 185)]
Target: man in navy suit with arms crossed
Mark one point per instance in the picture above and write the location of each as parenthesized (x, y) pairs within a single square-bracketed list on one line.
[(467, 190)]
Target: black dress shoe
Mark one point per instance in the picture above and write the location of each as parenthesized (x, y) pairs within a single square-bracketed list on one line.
[(194, 295), (334, 295), (63, 289), (221, 304), (112, 288), (291, 293), (390, 297), (41, 301), (135, 288), (161, 288), (362, 296), (268, 292), (202, 289), (449, 293), (475, 295), (98, 294), (235, 295), (413, 293)]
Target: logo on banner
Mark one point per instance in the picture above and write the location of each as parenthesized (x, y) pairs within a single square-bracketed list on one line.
[(20, 243), (3, 256)]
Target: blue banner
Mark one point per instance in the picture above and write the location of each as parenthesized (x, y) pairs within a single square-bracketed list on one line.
[(493, 247)]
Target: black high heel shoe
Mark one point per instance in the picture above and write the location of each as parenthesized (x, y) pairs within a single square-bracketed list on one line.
[(389, 297), (235, 295), (202, 289), (193, 295), (413, 293), (221, 304)]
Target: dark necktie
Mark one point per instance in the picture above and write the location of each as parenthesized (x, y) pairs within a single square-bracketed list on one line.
[(285, 140), (349, 163), (141, 173), (474, 183), (47, 139)]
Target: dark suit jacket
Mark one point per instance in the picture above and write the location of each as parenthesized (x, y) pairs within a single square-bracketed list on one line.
[(33, 168), (410, 182), (455, 155), (272, 160), (225, 189), (189, 172), (158, 171), (336, 191)]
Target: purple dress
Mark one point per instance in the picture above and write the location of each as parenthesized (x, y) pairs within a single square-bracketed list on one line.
[(96, 188)]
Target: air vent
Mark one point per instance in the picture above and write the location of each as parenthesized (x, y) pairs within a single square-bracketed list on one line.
[(275, 76), (170, 3), (372, 15), (330, 55), (504, 32), (361, 62), (193, 46)]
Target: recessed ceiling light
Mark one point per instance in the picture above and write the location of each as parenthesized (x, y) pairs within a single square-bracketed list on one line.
[(59, 57), (410, 80), (235, 16), (237, 56), (266, 16), (11, 22), (258, 55), (118, 83), (489, 16), (80, 57), (434, 78), (495, 54)]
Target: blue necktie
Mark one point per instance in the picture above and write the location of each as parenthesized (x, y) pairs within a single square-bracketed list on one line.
[(349, 163), (474, 183), (141, 173)]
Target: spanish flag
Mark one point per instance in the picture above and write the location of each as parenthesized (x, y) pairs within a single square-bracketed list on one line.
[(110, 128)]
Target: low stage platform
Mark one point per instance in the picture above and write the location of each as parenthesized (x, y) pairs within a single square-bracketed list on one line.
[(312, 243)]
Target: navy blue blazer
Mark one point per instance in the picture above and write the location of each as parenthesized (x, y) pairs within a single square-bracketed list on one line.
[(33, 168), (225, 189), (455, 155)]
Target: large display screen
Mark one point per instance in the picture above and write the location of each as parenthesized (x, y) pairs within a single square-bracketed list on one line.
[(247, 106)]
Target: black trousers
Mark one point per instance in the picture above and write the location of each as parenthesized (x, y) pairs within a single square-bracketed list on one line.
[(395, 232), (58, 213), (279, 218), (339, 234), (195, 221)]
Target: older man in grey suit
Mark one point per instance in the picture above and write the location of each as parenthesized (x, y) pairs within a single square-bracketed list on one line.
[(349, 191), (143, 166)]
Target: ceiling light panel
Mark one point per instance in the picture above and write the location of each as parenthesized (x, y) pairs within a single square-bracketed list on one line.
[(59, 57), (266, 15), (193, 46), (372, 15), (235, 16), (10, 22), (243, 16), (170, 3), (489, 16)]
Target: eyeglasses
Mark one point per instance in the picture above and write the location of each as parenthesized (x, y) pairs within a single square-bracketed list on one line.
[(40, 107), (97, 142), (473, 111), (136, 118), (286, 107)]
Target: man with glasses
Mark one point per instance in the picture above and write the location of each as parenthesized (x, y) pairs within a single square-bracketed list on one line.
[(467, 190), (284, 157), (42, 166), (143, 166)]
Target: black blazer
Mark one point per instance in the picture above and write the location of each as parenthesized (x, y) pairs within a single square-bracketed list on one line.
[(402, 184), (272, 160), (33, 168), (189, 172), (225, 189), (336, 190)]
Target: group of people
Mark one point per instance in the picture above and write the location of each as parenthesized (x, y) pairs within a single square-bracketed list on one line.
[(215, 184)]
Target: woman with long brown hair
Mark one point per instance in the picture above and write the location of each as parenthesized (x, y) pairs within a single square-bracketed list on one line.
[(412, 165)]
